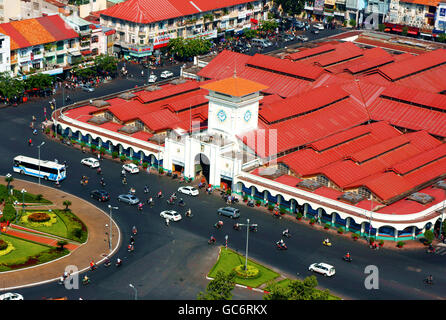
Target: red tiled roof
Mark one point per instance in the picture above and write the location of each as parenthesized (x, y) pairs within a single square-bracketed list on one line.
[(232, 62), (414, 65), (306, 53), (416, 96), (283, 66), (149, 11), (168, 90), (343, 52), (303, 103), (160, 120)]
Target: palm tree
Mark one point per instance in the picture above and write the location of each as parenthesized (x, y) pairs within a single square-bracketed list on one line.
[(67, 203)]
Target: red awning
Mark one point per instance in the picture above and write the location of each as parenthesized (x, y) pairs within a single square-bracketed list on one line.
[(387, 29), (107, 33), (86, 52), (254, 20), (397, 29), (412, 32)]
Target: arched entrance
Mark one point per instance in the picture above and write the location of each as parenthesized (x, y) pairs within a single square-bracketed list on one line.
[(202, 166)]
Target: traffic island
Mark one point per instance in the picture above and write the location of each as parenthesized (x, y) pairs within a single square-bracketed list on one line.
[(46, 238)]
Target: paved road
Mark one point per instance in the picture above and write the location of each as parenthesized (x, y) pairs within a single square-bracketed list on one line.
[(170, 263)]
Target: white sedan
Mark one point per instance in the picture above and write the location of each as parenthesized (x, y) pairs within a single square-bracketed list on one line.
[(152, 78), (166, 74), (172, 215), (189, 190), (323, 268), (131, 167), (318, 26), (11, 296), (91, 162)]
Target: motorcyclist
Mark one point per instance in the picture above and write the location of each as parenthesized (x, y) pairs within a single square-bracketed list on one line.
[(167, 221), (124, 180), (212, 239), (280, 243), (181, 202), (327, 241), (102, 182), (99, 170), (146, 189), (134, 231), (150, 201), (160, 194), (123, 173), (130, 248), (430, 279), (285, 232), (140, 206), (347, 256), (107, 261), (118, 262), (188, 212), (236, 226), (174, 195), (92, 265), (86, 279)]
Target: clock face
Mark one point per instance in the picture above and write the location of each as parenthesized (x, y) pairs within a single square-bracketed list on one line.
[(247, 115), (221, 115)]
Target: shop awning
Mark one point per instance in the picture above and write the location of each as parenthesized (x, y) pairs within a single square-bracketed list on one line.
[(86, 52), (255, 21), (387, 30), (397, 29), (74, 52), (412, 32)]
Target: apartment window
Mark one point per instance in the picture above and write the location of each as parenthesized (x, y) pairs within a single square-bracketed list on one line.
[(94, 39), (35, 5), (322, 180), (94, 51), (60, 58), (170, 22), (161, 25), (60, 45)]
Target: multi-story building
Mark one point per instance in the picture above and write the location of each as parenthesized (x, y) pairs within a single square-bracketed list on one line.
[(440, 18), (5, 62), (143, 26), (44, 44), (355, 9), (322, 9), (9, 10), (414, 13), (377, 8), (38, 8)]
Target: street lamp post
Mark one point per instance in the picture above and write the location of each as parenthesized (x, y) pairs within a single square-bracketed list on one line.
[(110, 227), (38, 147), (8, 179), (247, 241), (136, 292), (23, 203)]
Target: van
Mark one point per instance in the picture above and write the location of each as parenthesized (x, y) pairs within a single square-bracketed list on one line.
[(260, 43)]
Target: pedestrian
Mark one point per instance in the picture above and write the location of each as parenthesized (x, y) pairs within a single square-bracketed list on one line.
[(99, 156)]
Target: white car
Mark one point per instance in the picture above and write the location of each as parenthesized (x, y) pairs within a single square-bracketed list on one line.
[(323, 268), (172, 215), (11, 296), (131, 167), (166, 74), (318, 26), (91, 162), (152, 78), (189, 190)]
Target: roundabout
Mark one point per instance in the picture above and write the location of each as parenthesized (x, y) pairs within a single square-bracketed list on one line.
[(45, 238)]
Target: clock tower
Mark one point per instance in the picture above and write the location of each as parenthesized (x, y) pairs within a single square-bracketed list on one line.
[(233, 105)]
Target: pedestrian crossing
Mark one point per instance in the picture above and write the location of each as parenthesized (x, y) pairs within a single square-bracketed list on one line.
[(440, 250)]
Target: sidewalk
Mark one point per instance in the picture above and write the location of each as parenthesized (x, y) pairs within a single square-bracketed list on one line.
[(94, 249)]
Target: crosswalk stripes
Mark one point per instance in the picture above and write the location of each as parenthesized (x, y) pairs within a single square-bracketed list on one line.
[(440, 250)]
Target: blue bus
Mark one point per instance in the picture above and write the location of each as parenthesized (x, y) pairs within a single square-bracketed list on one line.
[(48, 170)]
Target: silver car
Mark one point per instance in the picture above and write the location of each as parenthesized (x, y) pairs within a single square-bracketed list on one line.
[(128, 198)]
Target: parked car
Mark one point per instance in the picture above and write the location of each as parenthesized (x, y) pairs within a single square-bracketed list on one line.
[(189, 190), (172, 215), (166, 74), (87, 87), (100, 195), (299, 24), (318, 26), (131, 167), (11, 296), (302, 38), (323, 268), (128, 198), (229, 212), (315, 31), (287, 37), (241, 49), (91, 162), (261, 43), (152, 78)]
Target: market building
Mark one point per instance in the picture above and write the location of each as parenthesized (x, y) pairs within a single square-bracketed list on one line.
[(349, 136), (144, 26)]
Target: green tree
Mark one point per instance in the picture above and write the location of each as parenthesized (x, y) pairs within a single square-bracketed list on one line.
[(10, 87), (250, 33), (67, 203), (106, 64), (269, 26), (61, 244), (291, 7), (84, 73), (297, 290), (404, 31), (185, 48), (429, 235), (220, 288), (39, 80)]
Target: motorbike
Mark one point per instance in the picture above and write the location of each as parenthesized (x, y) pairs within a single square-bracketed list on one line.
[(281, 246), (431, 249), (211, 241), (140, 207), (188, 214), (236, 227), (218, 225), (348, 259), (253, 228), (99, 171), (146, 190), (132, 191), (107, 263), (428, 281), (174, 176), (170, 201), (250, 203), (159, 195), (286, 234), (118, 264), (102, 183), (181, 203), (92, 268), (325, 243), (85, 281)]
